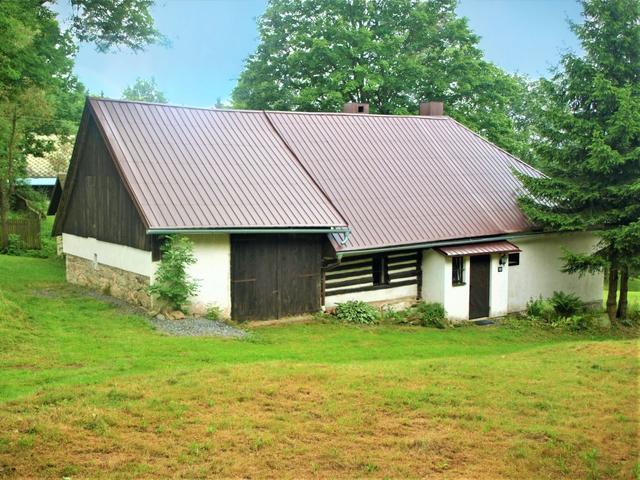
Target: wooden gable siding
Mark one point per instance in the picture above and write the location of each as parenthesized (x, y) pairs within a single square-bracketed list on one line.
[(99, 205), (355, 274)]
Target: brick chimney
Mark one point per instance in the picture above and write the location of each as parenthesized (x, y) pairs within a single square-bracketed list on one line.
[(432, 109), (354, 107)]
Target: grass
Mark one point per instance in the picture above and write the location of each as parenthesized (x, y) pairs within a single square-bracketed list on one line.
[(87, 391)]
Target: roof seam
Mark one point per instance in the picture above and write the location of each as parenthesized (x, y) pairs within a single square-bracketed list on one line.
[(304, 169)]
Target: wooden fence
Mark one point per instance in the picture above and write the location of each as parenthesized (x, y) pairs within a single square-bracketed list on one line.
[(28, 229)]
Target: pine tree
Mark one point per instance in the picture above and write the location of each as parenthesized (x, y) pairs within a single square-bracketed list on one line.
[(589, 143)]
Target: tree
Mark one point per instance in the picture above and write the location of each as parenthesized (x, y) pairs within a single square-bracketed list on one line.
[(145, 91), (589, 144), (111, 24), (315, 56), (19, 115), (39, 95)]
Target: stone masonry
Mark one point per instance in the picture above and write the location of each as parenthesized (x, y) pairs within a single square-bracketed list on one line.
[(118, 283)]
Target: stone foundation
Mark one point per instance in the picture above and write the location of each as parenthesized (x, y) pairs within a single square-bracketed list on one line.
[(128, 286)]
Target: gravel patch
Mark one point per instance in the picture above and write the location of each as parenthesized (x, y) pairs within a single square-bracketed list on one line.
[(196, 327)]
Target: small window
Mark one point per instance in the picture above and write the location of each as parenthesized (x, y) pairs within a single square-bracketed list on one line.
[(380, 270), (514, 259), (457, 272), (360, 108)]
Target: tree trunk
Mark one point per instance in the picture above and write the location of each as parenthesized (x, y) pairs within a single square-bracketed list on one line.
[(4, 224), (6, 185), (612, 293), (624, 287)]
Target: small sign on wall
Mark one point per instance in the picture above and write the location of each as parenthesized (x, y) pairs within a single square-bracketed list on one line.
[(500, 268)]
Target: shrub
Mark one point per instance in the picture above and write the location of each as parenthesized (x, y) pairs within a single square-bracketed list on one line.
[(540, 309), (566, 304), (15, 245), (430, 315), (172, 284), (357, 312), (214, 313), (576, 323)]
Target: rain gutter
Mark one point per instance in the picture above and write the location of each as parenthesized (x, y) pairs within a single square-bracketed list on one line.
[(169, 231)]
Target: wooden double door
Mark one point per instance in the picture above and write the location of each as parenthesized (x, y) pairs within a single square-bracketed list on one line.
[(479, 290), (275, 275)]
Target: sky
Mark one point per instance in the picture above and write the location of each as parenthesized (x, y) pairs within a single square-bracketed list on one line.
[(210, 39)]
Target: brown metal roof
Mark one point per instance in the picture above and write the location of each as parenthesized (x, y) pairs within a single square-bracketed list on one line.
[(479, 249), (190, 168), (393, 180), (401, 180)]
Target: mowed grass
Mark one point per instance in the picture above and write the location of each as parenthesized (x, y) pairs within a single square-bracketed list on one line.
[(87, 391)]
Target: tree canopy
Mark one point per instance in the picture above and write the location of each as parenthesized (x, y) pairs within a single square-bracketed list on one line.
[(315, 56), (588, 140), (39, 94), (144, 91)]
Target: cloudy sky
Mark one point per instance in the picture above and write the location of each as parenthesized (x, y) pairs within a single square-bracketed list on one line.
[(211, 38)]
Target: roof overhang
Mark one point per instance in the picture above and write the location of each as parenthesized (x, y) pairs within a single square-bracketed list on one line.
[(436, 244), (40, 181), (484, 248), (171, 231)]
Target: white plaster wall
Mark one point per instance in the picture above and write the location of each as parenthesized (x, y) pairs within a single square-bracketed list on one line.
[(433, 279), (539, 270), (213, 270), (498, 287), (389, 295), (111, 254), (456, 298)]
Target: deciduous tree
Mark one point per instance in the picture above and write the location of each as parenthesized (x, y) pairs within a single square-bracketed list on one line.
[(314, 56), (144, 91)]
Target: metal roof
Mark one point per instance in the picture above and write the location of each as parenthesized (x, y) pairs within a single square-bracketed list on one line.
[(479, 249), (189, 168), (393, 180), (407, 179)]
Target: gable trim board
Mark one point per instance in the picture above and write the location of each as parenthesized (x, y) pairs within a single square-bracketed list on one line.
[(370, 184)]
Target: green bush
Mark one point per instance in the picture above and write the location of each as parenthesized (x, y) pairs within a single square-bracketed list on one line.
[(541, 309), (575, 323), (214, 313), (423, 314), (566, 304), (172, 283), (430, 315), (15, 245), (357, 312)]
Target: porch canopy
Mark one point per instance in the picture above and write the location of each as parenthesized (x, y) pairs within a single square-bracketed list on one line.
[(479, 249)]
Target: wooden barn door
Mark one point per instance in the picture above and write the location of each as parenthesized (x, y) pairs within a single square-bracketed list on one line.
[(274, 276), (479, 278)]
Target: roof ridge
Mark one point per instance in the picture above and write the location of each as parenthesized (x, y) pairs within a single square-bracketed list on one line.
[(486, 140), (289, 112)]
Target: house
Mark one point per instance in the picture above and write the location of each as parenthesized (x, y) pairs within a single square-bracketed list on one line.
[(290, 212)]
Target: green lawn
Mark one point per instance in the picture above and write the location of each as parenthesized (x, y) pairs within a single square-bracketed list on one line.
[(89, 392)]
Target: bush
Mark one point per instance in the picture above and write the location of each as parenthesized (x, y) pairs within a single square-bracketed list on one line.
[(575, 323), (15, 245), (357, 312), (214, 313), (566, 304), (430, 315), (172, 284), (541, 309)]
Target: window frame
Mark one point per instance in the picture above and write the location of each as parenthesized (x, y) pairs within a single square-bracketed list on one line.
[(457, 271), (513, 263), (380, 270)]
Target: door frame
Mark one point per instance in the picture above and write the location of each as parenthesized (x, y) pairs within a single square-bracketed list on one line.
[(482, 290)]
